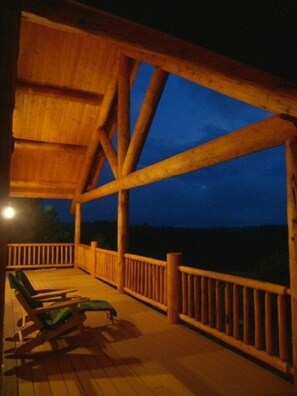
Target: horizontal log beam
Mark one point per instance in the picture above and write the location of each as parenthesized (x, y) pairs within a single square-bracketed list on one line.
[(54, 194), (259, 136), (60, 93), (42, 184), (176, 56), (48, 146)]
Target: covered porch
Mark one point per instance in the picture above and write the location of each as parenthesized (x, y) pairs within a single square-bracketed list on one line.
[(58, 118), (141, 354)]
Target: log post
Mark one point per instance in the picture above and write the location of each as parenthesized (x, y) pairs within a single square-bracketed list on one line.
[(93, 258), (291, 160), (77, 232), (174, 260), (123, 144)]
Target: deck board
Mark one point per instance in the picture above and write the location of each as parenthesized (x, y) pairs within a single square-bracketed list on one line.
[(140, 355)]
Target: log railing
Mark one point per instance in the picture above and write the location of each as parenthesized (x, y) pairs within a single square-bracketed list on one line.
[(250, 315), (145, 278), (40, 255), (106, 266), (247, 314), (84, 258)]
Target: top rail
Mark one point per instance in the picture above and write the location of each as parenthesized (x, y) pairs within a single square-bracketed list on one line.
[(37, 255), (239, 280), (144, 259)]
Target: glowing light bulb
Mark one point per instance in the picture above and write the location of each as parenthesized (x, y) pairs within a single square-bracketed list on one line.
[(8, 212)]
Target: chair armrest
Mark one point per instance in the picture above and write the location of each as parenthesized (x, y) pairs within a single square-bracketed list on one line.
[(41, 291), (62, 304), (53, 293)]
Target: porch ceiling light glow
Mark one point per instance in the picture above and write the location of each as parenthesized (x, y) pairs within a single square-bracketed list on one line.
[(8, 212)]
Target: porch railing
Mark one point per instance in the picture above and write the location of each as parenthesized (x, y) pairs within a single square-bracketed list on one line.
[(40, 255), (249, 315), (145, 278), (106, 266), (83, 257)]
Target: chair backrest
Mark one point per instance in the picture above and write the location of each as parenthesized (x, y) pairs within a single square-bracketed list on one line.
[(20, 274), (16, 284), (48, 320)]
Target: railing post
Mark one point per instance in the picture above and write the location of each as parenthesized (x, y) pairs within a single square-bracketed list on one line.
[(93, 258), (174, 260)]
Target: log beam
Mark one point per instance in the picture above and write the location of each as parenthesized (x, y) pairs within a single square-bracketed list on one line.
[(53, 193), (27, 184), (291, 157), (60, 93), (105, 110), (123, 111), (176, 56), (253, 138), (110, 128), (109, 151), (145, 118), (24, 144)]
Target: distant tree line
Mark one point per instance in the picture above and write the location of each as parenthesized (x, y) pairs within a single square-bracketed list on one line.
[(257, 252)]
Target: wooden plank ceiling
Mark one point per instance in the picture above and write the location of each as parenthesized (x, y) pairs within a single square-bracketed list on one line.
[(62, 78), (66, 88)]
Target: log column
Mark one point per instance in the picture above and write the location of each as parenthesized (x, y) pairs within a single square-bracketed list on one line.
[(9, 44), (174, 260), (291, 157), (123, 144), (77, 232)]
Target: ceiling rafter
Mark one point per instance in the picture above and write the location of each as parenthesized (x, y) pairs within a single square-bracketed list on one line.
[(48, 146), (60, 93)]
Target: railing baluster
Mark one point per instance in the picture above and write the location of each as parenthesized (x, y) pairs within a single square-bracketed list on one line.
[(219, 310), (282, 335), (149, 294), (258, 319), (190, 296), (228, 309), (236, 311), (268, 324), (211, 312), (197, 297), (184, 294), (204, 299), (246, 316)]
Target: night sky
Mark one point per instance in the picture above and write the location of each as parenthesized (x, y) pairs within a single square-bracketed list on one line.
[(245, 192)]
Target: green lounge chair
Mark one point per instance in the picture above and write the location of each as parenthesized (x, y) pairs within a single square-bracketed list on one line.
[(52, 320)]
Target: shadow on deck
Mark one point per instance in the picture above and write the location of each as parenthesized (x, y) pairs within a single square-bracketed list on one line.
[(140, 355)]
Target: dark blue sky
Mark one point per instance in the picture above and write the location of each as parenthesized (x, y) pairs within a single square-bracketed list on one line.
[(244, 192)]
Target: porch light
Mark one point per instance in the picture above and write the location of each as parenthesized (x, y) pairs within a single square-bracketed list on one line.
[(8, 212)]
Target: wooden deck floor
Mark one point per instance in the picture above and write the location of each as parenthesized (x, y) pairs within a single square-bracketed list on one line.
[(140, 355)]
